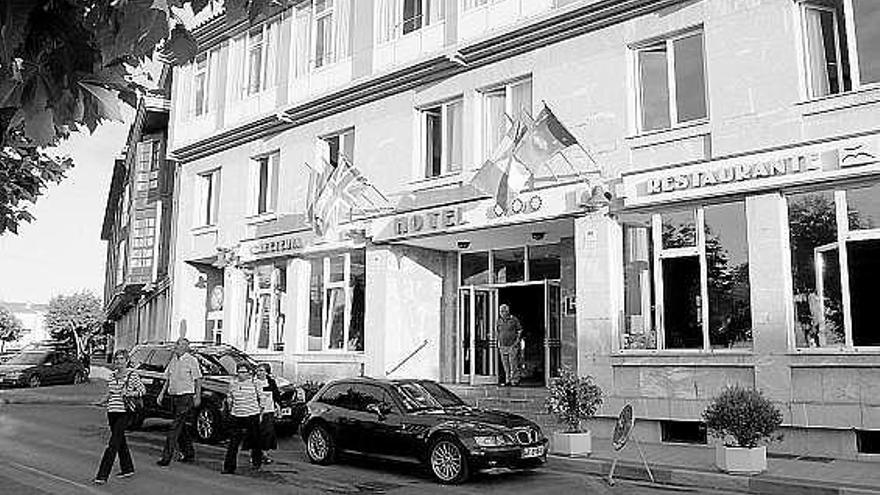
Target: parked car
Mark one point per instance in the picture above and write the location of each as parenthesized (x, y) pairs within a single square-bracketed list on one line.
[(218, 362), (38, 366), (420, 420)]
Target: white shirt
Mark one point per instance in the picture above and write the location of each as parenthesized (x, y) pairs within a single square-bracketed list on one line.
[(182, 373)]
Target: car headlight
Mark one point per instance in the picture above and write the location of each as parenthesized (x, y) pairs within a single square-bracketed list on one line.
[(491, 441)]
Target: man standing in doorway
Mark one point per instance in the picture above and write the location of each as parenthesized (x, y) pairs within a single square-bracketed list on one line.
[(509, 332), (183, 384)]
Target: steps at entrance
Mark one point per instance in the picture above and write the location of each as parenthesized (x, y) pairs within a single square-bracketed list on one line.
[(525, 401)]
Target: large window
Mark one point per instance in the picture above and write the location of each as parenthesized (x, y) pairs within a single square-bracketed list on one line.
[(264, 180), (268, 295), (209, 197), (842, 44), (671, 82), (331, 27), (528, 263), (442, 128), (686, 280), (255, 60), (501, 106), (336, 319), (835, 265), (260, 53)]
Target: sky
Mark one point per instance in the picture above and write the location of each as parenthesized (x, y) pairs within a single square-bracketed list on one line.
[(61, 251)]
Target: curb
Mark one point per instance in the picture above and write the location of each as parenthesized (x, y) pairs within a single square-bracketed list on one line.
[(762, 484)]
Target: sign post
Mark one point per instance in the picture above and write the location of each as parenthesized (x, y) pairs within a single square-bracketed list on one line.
[(623, 430)]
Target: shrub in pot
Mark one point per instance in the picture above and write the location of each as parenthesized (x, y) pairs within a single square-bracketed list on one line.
[(572, 399), (742, 418)]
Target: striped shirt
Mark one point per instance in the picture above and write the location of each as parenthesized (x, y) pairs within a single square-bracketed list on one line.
[(265, 395), (245, 398), (120, 384)]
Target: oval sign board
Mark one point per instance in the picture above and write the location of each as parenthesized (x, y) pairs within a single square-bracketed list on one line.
[(623, 428)]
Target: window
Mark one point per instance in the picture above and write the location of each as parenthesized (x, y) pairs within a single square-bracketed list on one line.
[(200, 85), (148, 156), (472, 4), (332, 41), (209, 197), (258, 62), (336, 319), (501, 106), (835, 266), (397, 17), (264, 180), (255, 61), (442, 128), (686, 282), (269, 293), (840, 55), (683, 432), (671, 82), (520, 264), (339, 144), (120, 261)]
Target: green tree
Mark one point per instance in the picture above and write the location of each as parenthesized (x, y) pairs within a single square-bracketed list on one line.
[(10, 327), (77, 317), (65, 65)]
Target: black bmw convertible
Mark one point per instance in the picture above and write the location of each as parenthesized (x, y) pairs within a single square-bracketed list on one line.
[(419, 420)]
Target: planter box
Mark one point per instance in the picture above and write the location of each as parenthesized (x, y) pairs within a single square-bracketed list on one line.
[(572, 444), (738, 460)]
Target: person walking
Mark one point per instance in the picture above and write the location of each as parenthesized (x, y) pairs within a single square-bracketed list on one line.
[(123, 387), (271, 398), (509, 335), (183, 385), (244, 401)]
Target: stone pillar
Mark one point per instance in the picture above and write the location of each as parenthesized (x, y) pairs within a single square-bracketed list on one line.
[(234, 306)]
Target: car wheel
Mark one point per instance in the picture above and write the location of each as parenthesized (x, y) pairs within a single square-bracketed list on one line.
[(208, 424), (448, 461), (78, 378), (34, 381), (320, 446)]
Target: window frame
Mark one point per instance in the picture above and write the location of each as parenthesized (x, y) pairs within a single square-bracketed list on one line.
[(445, 138), (208, 194), (200, 105), (845, 235), (483, 116), (272, 161), (327, 285), (249, 88), (660, 253), (668, 41), (276, 292), (328, 14), (852, 49), (346, 140)]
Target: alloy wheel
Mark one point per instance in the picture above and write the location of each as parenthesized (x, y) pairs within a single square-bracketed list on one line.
[(446, 461), (34, 381), (205, 424), (318, 444)]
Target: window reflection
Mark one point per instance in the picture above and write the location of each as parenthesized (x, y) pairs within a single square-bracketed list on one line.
[(639, 330), (509, 265), (679, 229), (544, 262), (727, 268), (475, 268)]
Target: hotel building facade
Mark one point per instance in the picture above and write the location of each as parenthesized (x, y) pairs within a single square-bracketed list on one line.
[(739, 139)]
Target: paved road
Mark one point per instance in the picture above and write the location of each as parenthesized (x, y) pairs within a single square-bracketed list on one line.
[(54, 449)]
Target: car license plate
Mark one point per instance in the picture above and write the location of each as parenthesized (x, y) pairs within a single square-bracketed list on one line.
[(533, 452), (285, 411)]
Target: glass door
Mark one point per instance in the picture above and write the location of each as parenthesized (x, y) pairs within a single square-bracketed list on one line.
[(552, 335), (477, 313)]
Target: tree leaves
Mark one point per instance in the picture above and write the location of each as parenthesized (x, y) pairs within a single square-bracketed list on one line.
[(10, 326), (76, 316)]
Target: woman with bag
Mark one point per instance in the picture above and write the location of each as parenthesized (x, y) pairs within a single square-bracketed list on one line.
[(244, 403), (125, 393), (271, 397)]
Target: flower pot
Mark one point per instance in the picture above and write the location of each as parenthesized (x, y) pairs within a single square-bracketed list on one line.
[(572, 444), (739, 460)]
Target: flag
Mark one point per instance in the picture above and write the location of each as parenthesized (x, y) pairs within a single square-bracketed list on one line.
[(501, 175), (543, 139), (334, 192)]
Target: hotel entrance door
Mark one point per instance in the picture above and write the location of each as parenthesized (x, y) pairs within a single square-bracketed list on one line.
[(478, 350)]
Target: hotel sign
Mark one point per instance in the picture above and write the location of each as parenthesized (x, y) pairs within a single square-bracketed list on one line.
[(742, 174), (429, 221)]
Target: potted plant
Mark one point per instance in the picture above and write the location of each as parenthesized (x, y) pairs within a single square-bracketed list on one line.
[(741, 418), (572, 399)]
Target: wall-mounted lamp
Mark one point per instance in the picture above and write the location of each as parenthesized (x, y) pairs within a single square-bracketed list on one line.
[(538, 236), (463, 244)]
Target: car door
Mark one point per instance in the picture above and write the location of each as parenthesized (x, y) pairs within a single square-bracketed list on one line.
[(338, 415), (385, 433), (49, 369)]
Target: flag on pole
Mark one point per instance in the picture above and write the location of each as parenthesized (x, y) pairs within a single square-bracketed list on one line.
[(501, 175), (338, 192), (543, 139)]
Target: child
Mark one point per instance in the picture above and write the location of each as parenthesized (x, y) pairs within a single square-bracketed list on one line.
[(245, 406), (270, 396)]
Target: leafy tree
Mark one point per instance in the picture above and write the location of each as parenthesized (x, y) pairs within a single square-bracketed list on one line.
[(78, 318), (10, 327), (64, 66)]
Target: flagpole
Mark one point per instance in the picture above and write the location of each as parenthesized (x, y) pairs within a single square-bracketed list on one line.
[(577, 143)]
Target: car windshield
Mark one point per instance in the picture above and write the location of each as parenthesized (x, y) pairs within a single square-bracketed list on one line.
[(27, 358), (442, 394), (222, 362), (416, 398)]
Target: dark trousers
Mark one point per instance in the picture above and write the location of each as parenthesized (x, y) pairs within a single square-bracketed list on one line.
[(179, 434), (241, 427), (117, 445)]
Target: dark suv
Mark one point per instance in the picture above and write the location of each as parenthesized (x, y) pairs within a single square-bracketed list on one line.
[(420, 420), (218, 364), (42, 365)]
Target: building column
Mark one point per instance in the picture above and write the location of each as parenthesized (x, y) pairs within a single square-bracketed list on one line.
[(234, 306)]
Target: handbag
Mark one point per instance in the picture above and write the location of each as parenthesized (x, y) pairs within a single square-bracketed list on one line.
[(133, 403)]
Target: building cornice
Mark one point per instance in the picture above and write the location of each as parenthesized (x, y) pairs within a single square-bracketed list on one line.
[(561, 26)]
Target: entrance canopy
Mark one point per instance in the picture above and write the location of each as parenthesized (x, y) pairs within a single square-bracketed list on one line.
[(543, 232)]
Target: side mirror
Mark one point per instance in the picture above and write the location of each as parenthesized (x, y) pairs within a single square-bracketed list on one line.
[(377, 410)]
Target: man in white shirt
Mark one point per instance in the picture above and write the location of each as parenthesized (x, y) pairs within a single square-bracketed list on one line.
[(183, 384)]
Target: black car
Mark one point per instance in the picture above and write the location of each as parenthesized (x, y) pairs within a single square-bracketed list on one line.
[(218, 363), (39, 366), (419, 420)]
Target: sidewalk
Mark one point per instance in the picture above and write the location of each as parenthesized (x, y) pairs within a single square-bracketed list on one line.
[(694, 466)]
